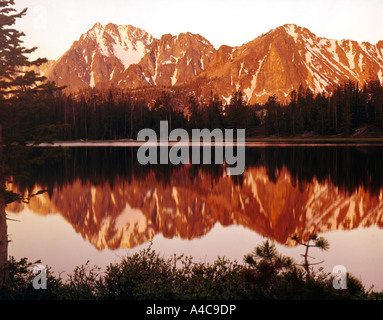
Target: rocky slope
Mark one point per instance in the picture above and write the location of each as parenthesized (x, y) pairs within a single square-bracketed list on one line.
[(274, 63), (290, 56), (129, 57), (100, 56)]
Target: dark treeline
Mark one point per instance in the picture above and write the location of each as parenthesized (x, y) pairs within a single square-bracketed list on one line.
[(343, 112), (116, 114)]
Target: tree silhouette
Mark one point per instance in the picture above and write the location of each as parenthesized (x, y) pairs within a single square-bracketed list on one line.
[(273, 116), (313, 242), (266, 268), (24, 96)]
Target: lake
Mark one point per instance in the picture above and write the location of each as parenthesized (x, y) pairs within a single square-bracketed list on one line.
[(101, 204)]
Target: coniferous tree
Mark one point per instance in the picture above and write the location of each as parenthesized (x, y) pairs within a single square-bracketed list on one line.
[(320, 105), (214, 113), (308, 111), (291, 113), (346, 111), (195, 114), (299, 112), (376, 102), (313, 242), (23, 94), (237, 116), (273, 116)]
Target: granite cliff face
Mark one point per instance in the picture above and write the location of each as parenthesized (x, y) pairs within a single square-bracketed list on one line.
[(173, 60), (125, 56), (287, 57), (275, 63), (100, 56), (130, 213)]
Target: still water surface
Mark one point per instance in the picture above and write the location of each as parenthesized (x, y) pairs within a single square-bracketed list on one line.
[(102, 204)]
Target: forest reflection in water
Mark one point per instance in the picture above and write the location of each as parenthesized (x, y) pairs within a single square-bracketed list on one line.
[(113, 202)]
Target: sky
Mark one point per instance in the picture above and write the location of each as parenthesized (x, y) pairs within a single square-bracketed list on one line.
[(53, 25)]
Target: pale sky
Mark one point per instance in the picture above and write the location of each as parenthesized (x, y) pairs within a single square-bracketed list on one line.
[(53, 25)]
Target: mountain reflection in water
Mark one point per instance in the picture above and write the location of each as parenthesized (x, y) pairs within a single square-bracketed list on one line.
[(114, 202)]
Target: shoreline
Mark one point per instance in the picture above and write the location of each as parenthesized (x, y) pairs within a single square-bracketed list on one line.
[(299, 141)]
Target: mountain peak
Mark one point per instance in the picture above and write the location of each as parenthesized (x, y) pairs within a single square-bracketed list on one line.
[(289, 26), (296, 31), (97, 25), (275, 63)]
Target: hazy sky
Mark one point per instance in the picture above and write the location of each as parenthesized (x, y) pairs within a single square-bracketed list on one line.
[(53, 25)]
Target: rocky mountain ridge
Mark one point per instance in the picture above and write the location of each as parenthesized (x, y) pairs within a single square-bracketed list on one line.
[(274, 63)]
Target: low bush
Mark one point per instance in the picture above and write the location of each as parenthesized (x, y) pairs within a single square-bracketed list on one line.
[(146, 275)]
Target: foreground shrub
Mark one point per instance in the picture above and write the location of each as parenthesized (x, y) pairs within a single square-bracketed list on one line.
[(265, 274)]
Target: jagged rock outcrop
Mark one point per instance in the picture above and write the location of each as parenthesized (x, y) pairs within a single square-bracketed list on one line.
[(286, 58), (277, 62), (129, 57), (100, 56)]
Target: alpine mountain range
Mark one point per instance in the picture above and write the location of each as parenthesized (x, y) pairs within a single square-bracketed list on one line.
[(277, 62)]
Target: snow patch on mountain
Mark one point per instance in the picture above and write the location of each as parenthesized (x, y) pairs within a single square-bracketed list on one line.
[(291, 30), (351, 57), (380, 76), (249, 91), (126, 45), (105, 54), (129, 55)]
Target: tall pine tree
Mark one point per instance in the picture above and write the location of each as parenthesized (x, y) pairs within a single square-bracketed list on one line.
[(22, 94)]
